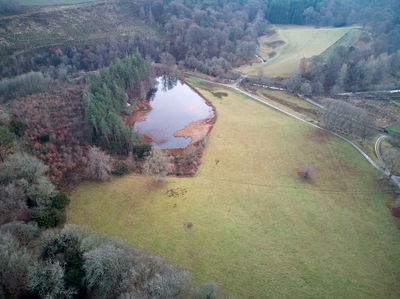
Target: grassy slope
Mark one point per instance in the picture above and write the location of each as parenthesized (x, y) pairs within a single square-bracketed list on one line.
[(301, 41), (73, 24), (259, 230)]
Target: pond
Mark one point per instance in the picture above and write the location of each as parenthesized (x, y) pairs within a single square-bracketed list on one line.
[(174, 105)]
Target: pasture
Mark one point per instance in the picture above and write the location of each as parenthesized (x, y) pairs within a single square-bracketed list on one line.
[(258, 229), (283, 50)]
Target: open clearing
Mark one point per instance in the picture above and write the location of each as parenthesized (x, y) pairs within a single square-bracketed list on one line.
[(258, 229), (290, 44)]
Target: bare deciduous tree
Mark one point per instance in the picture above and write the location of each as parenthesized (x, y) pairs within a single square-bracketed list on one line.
[(391, 158), (157, 164), (99, 165), (14, 261), (306, 171), (344, 117), (12, 204)]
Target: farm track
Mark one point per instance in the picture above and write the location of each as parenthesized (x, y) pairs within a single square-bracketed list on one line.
[(235, 86)]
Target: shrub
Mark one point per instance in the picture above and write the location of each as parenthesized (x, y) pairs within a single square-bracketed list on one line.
[(108, 270), (60, 201), (24, 232), (43, 217), (207, 290), (46, 280), (158, 164), (14, 261), (12, 204), (17, 126), (142, 150), (120, 168), (98, 165), (306, 171), (44, 138)]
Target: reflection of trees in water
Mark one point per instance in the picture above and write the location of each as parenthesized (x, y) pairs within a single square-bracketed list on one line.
[(168, 82), (151, 94)]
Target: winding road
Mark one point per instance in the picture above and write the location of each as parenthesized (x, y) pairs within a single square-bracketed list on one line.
[(235, 86)]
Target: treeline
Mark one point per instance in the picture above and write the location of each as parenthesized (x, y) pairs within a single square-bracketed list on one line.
[(77, 263), (27, 194), (208, 36), (106, 97), (22, 85), (347, 69)]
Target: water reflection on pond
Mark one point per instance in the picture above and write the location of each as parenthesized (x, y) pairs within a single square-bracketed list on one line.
[(173, 106)]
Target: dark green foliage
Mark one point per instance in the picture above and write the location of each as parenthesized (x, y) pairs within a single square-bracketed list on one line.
[(17, 126), (44, 218), (288, 11), (68, 245), (105, 99), (60, 201), (120, 168), (7, 140), (142, 150), (44, 138)]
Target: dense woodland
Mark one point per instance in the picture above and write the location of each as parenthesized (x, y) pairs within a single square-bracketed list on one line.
[(61, 117)]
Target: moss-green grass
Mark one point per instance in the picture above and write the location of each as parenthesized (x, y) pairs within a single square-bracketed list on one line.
[(395, 128), (300, 41), (345, 41), (259, 230)]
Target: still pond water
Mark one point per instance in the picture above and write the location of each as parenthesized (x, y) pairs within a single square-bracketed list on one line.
[(173, 106)]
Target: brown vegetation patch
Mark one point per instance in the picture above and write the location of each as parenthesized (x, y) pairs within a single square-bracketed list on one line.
[(177, 192), (138, 113), (313, 113), (275, 44), (195, 130), (220, 94), (319, 136), (57, 132)]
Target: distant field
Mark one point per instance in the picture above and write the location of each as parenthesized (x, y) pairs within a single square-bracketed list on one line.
[(258, 229), (346, 40), (290, 44), (72, 25)]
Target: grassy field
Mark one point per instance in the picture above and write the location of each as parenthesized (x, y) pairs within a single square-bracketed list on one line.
[(345, 41), (290, 44), (259, 230)]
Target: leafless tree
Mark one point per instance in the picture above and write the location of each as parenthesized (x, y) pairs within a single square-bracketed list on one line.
[(345, 118), (99, 164), (157, 164), (306, 171), (391, 158)]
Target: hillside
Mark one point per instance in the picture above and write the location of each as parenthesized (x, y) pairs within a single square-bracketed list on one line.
[(283, 50), (68, 25)]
